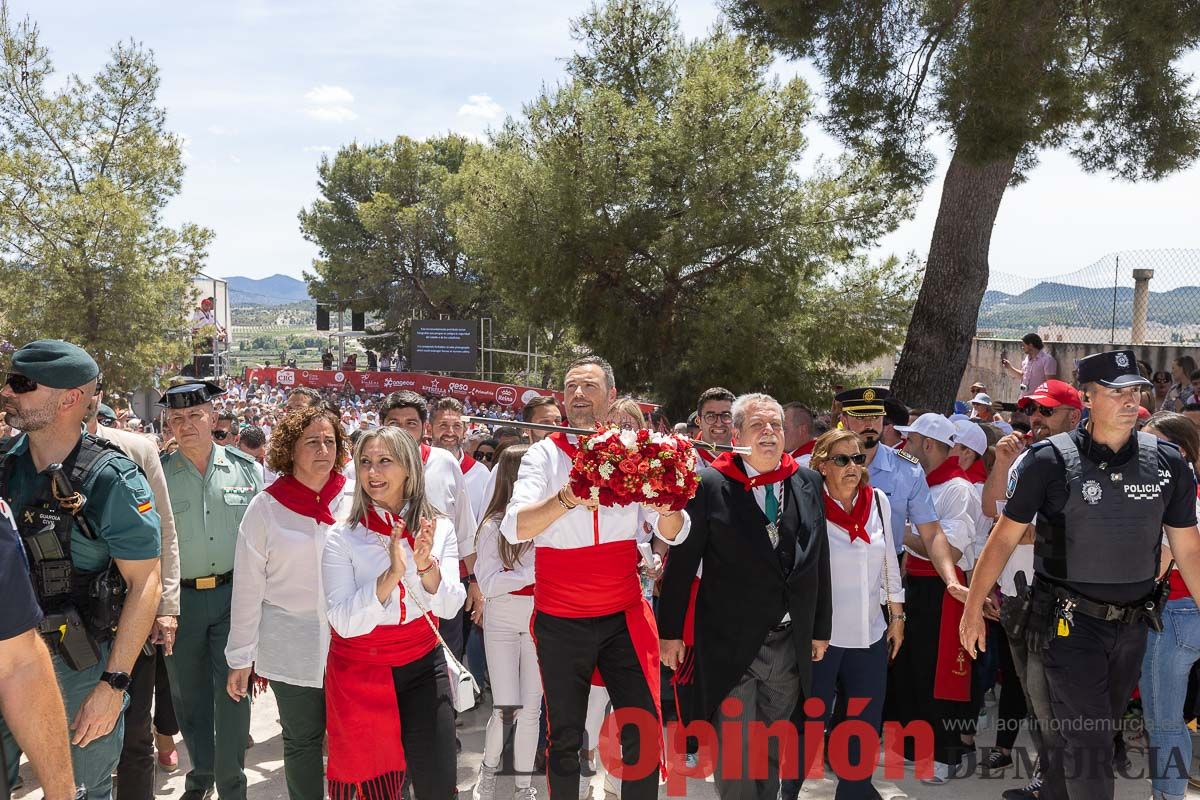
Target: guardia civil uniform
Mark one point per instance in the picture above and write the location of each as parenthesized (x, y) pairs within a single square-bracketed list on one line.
[(208, 509), (121, 524)]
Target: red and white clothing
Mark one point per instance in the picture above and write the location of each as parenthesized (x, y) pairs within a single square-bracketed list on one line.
[(957, 507), (858, 569), (476, 478), (511, 652), (446, 491)]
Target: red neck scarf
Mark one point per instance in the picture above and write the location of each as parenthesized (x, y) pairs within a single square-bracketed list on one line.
[(804, 449), (948, 471), (730, 467), (467, 463), (705, 456), (375, 522), (425, 450), (295, 496), (977, 472), (564, 444), (854, 522)]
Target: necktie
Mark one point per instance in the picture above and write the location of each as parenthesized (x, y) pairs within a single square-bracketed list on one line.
[(772, 510)]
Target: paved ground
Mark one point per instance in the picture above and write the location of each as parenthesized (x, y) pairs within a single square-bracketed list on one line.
[(264, 768)]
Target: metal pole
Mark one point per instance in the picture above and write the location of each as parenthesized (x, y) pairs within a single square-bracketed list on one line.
[(1112, 337), (341, 341)]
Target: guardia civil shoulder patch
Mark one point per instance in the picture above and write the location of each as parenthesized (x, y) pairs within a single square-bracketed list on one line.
[(907, 456)]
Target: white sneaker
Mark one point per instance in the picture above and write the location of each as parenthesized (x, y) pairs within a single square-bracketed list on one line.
[(941, 774), (525, 793), (612, 786)]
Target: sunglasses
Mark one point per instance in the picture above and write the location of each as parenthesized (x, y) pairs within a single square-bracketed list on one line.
[(20, 384), (1162, 380), (1043, 410), (220, 436), (481, 455), (842, 460)]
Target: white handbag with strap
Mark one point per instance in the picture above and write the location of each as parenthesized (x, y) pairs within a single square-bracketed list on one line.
[(463, 688)]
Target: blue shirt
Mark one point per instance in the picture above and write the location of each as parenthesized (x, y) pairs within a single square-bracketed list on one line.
[(904, 484), (19, 610)]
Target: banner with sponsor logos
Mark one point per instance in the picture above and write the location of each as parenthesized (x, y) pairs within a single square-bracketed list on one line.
[(505, 394)]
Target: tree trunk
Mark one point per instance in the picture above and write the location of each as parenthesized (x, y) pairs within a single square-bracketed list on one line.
[(956, 275)]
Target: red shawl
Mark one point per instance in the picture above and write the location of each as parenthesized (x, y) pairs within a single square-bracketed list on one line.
[(728, 466), (467, 463), (855, 522), (804, 449), (948, 471), (705, 456), (295, 496)]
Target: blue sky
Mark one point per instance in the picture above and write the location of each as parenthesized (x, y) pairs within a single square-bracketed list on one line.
[(260, 89)]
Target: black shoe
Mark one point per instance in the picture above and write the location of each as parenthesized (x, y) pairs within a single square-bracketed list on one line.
[(197, 794), (1029, 792), (997, 760)]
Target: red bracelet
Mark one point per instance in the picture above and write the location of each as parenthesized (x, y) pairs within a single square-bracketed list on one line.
[(433, 563)]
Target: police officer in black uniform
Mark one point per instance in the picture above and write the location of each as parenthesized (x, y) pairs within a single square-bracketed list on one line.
[(86, 519), (1102, 495)]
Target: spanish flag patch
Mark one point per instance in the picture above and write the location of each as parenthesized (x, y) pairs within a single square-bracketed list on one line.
[(144, 507)]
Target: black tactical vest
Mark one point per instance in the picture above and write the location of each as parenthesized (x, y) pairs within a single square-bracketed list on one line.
[(1112, 522), (55, 580)]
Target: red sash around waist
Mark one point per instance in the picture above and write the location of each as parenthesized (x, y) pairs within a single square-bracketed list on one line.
[(524, 591), (596, 581), (952, 679), (360, 700)]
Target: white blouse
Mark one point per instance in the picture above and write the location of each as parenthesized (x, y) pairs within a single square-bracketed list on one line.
[(277, 618), (356, 556), (857, 572), (494, 579)]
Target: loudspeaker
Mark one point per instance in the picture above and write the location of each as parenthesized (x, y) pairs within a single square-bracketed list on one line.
[(322, 318), (358, 321)]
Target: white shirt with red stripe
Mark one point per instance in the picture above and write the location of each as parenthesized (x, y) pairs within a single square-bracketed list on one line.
[(545, 469), (494, 578)]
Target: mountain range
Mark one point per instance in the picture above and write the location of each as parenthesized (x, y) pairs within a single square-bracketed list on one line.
[(276, 290)]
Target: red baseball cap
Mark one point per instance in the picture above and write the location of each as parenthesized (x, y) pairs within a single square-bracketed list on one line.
[(1052, 394), (1143, 413)]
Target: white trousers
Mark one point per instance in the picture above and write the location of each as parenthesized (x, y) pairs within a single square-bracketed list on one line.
[(513, 671)]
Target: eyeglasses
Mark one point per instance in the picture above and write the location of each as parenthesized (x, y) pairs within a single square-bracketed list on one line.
[(1162, 380), (481, 455), (712, 417), (220, 436), (20, 384), (842, 460), (1043, 410)]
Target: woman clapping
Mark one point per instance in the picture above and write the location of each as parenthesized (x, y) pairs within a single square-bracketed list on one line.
[(388, 691)]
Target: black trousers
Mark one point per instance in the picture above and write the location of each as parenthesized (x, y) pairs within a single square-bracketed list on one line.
[(569, 650), (1012, 709), (148, 685), (1090, 675), (427, 726)]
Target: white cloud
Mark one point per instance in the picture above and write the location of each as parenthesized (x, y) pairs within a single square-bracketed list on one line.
[(184, 152), (329, 104), (318, 148), (328, 96), (481, 106), (234, 159), (219, 130)]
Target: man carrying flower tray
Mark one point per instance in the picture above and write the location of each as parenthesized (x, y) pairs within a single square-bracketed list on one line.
[(577, 498)]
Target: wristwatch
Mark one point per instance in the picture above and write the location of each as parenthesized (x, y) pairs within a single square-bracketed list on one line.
[(117, 680)]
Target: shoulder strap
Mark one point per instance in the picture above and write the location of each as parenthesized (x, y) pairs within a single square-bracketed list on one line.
[(1065, 445), (1147, 444), (92, 455), (883, 520)]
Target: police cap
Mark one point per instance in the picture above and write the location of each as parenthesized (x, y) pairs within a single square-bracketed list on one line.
[(55, 363), (865, 401), (187, 395), (1113, 368), (105, 414)]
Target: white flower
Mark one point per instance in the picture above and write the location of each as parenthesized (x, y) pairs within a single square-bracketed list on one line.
[(595, 493), (648, 490), (655, 463), (679, 482), (629, 438), (606, 471)]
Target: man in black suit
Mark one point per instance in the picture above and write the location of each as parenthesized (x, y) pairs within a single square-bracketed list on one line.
[(764, 608)]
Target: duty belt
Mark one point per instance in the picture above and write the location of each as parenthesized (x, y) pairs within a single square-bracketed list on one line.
[(208, 581), (1107, 612)]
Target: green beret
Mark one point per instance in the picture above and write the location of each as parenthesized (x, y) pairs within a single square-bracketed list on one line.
[(55, 363), (104, 412)]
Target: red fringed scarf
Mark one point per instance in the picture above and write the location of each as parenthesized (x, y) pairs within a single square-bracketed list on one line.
[(366, 756), (728, 466), (295, 496), (855, 522)]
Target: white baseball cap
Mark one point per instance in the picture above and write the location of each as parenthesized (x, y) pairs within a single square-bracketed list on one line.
[(935, 426), (970, 436), (981, 399)]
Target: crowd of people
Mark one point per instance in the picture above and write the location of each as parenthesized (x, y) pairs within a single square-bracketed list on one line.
[(358, 555)]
